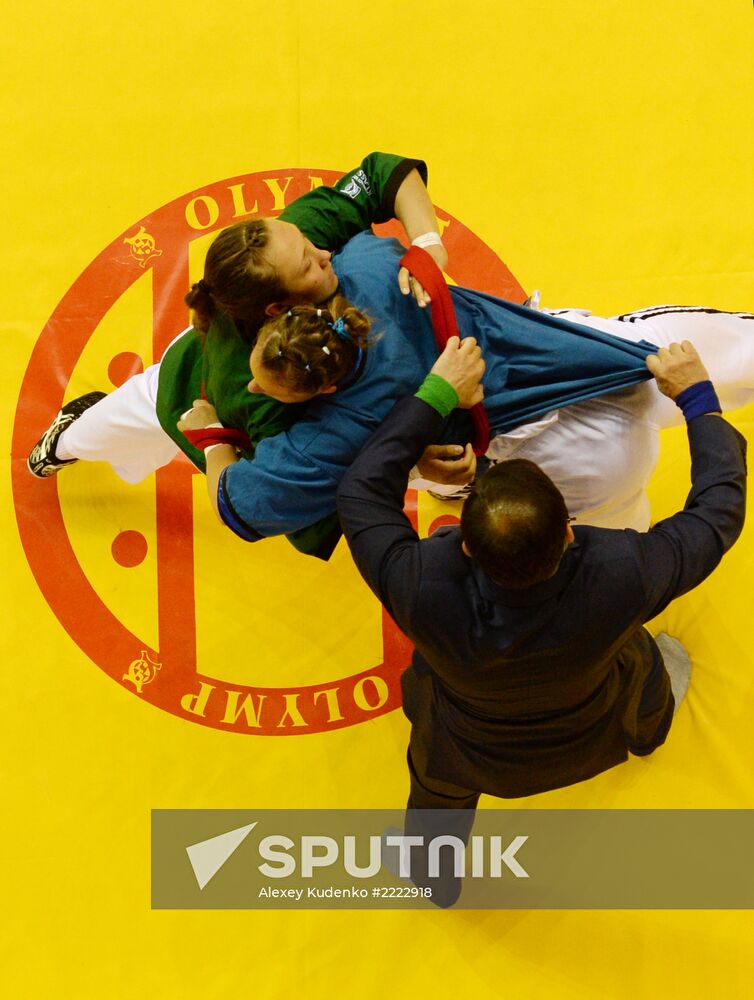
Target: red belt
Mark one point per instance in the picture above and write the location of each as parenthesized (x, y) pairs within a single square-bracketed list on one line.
[(421, 265)]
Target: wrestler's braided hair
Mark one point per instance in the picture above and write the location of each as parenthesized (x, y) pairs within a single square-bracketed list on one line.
[(304, 351), (238, 279)]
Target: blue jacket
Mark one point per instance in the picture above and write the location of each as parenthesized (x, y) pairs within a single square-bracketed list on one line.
[(535, 363)]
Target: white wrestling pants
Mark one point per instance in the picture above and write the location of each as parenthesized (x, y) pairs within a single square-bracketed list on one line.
[(123, 429), (601, 453)]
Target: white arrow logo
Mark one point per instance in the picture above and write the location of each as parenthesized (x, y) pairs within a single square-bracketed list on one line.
[(208, 856)]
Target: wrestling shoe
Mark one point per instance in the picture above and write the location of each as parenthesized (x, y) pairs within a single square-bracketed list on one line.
[(42, 462)]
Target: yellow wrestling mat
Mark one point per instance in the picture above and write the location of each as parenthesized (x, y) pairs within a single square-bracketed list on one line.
[(603, 151)]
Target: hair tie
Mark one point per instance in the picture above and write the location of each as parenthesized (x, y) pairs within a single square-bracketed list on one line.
[(350, 377), (339, 327), (203, 287)]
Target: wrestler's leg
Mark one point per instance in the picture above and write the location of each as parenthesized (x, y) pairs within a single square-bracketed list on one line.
[(724, 340), (122, 429), (600, 453)]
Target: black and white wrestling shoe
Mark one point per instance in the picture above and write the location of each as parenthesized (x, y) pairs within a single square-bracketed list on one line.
[(43, 462)]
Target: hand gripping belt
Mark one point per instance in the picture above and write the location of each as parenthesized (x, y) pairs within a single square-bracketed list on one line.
[(422, 267)]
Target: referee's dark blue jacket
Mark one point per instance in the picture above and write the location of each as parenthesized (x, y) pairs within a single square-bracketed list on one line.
[(515, 692)]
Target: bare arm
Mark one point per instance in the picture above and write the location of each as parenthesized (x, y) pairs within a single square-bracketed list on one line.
[(413, 208), (218, 456)]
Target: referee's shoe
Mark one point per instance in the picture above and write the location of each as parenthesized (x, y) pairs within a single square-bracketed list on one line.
[(43, 462)]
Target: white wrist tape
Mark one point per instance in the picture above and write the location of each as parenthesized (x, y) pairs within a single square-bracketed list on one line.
[(427, 240), (211, 447)]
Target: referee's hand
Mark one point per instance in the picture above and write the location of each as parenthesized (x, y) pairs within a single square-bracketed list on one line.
[(462, 364), (676, 368)]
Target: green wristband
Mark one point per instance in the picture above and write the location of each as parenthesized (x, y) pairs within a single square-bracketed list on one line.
[(439, 394)]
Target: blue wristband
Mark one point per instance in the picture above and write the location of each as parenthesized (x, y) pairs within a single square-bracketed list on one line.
[(698, 399)]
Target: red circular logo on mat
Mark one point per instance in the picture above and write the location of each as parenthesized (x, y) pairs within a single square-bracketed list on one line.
[(169, 675)]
